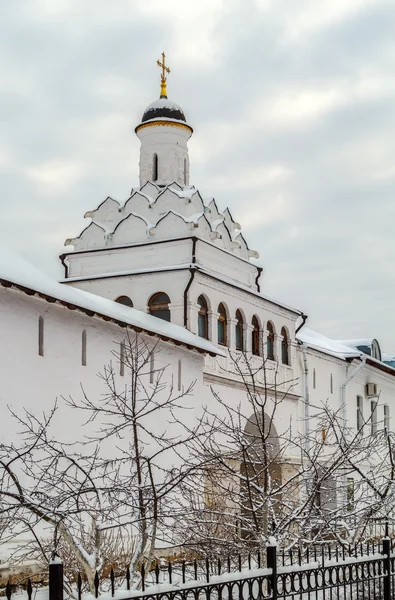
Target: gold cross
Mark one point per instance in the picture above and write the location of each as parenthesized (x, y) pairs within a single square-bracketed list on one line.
[(165, 69)]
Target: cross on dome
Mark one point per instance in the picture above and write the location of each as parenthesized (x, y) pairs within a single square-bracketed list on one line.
[(163, 78)]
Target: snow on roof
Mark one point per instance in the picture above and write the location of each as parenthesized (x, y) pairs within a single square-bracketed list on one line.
[(163, 103), (357, 343), (15, 270), (320, 342)]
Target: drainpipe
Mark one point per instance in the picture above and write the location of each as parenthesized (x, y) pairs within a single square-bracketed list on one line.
[(343, 389), (306, 397), (192, 271), (304, 319)]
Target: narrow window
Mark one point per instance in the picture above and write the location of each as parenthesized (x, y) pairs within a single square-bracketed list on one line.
[(125, 300), (179, 375), (239, 331), (83, 349), (314, 379), (122, 359), (185, 171), (331, 383), (155, 167), (202, 318), (41, 336), (222, 325), (255, 337), (359, 413), (350, 494), (373, 424), (152, 367), (270, 341), (284, 347), (387, 417), (159, 306)]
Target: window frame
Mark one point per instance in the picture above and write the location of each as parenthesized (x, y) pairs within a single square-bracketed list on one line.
[(270, 341), (255, 337), (203, 316), (223, 320), (162, 308), (239, 331), (285, 354)]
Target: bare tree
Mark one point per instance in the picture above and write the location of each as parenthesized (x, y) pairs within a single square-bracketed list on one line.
[(264, 475), (114, 494)]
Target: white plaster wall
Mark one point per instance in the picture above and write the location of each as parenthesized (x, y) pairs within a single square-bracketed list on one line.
[(131, 258), (141, 287), (170, 144), (34, 382)]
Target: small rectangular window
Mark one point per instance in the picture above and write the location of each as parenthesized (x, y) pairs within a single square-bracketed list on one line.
[(350, 494), (359, 413), (152, 368), (41, 336), (83, 350), (179, 375), (373, 426), (387, 417), (122, 359)]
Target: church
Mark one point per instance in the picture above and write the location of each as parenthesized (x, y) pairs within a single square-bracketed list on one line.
[(175, 267)]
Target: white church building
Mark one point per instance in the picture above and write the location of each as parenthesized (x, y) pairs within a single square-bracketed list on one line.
[(175, 267)]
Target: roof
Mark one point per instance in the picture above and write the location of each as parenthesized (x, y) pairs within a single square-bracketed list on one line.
[(340, 349), (324, 344), (16, 272), (163, 108)]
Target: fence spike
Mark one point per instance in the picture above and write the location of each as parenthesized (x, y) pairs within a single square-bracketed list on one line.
[(259, 559), (337, 554), (228, 563), (290, 556), (308, 554), (157, 573), (112, 578), (207, 570), (183, 571), (283, 553), (29, 589), (219, 566), (128, 578), (239, 562), (170, 572), (195, 569), (79, 585), (8, 590), (344, 552), (97, 583), (143, 577), (299, 556)]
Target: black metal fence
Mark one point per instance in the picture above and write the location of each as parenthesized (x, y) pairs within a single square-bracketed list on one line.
[(361, 572)]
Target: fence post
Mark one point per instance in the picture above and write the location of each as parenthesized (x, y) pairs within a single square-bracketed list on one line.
[(271, 561), (56, 578), (387, 568)]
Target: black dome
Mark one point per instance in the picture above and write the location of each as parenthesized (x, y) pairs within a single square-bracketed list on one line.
[(163, 108)]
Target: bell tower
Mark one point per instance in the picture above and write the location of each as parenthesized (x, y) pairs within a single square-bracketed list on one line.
[(164, 133)]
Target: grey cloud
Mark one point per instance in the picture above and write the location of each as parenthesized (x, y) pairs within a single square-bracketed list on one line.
[(76, 79)]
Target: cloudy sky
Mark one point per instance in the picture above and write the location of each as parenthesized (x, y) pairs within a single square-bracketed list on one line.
[(293, 107)]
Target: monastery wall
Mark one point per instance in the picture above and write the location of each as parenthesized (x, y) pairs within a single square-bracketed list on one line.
[(34, 382)]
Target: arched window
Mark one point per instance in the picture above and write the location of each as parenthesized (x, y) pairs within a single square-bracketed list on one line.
[(202, 318), (270, 341), (284, 347), (159, 306), (155, 167), (255, 343), (239, 331), (125, 300), (222, 325)]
